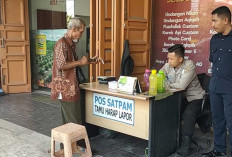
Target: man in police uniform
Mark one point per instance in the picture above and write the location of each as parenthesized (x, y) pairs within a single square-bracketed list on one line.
[(181, 74), (221, 80)]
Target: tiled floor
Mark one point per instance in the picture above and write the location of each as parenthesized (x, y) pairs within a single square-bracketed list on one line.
[(17, 141), (38, 113)]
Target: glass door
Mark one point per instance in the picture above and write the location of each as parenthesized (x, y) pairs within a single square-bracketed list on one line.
[(48, 24)]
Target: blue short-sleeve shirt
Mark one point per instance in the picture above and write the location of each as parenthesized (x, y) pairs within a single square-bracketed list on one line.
[(221, 57)]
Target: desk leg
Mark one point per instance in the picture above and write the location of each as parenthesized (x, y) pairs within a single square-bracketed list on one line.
[(164, 123), (179, 102), (92, 130), (151, 140)]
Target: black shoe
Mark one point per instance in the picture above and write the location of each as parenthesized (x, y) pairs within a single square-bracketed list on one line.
[(213, 153)]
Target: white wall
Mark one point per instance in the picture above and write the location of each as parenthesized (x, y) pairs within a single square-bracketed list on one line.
[(82, 7), (81, 46)]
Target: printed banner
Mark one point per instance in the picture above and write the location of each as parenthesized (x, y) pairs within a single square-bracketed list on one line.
[(40, 43), (186, 22), (115, 108), (43, 62)]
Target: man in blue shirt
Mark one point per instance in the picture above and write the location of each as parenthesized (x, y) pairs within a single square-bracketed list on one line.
[(221, 80)]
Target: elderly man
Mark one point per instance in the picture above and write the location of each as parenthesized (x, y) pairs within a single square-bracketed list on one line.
[(181, 74), (64, 80), (65, 86)]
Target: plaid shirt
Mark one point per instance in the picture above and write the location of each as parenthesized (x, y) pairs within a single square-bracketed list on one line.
[(64, 81)]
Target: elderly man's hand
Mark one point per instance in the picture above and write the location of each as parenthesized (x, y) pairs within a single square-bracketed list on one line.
[(95, 60), (84, 61)]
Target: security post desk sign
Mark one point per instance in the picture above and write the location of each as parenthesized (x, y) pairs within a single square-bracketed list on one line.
[(115, 108), (40, 44)]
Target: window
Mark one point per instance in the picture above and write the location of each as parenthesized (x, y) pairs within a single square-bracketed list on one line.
[(47, 19)]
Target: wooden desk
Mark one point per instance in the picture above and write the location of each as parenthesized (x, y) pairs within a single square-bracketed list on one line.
[(156, 121)]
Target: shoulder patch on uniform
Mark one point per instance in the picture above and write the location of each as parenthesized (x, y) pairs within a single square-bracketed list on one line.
[(186, 69)]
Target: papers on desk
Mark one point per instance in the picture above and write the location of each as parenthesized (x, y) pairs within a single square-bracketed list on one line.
[(112, 85), (127, 84)]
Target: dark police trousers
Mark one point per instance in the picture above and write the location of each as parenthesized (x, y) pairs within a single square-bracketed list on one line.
[(221, 107), (189, 113)]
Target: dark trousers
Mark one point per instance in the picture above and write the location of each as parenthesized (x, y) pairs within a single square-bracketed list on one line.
[(221, 106), (71, 112), (190, 111)]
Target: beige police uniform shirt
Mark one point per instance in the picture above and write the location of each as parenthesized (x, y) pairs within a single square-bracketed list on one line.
[(184, 78)]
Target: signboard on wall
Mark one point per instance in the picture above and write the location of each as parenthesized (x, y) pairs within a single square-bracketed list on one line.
[(115, 108), (40, 43), (186, 22)]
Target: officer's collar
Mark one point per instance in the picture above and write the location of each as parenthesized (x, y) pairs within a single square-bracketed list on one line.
[(180, 69), (229, 34)]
